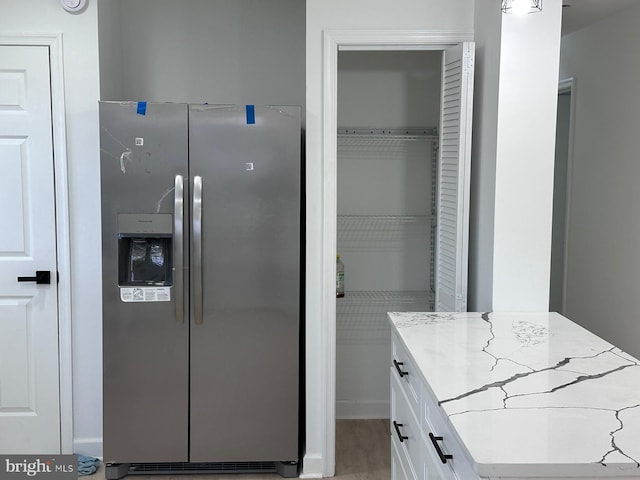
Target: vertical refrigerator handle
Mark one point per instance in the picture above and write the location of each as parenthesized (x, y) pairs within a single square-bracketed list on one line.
[(197, 249), (178, 248)]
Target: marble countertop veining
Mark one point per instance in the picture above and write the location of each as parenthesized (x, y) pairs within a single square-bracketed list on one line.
[(530, 393)]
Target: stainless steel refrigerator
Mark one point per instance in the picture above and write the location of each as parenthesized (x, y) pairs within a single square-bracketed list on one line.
[(201, 234)]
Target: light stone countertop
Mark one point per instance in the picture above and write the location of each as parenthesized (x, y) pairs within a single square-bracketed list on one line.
[(530, 393)]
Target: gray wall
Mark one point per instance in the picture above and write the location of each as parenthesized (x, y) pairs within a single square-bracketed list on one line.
[(483, 158), (603, 262), (389, 89), (556, 293), (110, 49), (215, 51)]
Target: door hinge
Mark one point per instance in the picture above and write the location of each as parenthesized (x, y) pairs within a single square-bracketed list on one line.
[(57, 277)]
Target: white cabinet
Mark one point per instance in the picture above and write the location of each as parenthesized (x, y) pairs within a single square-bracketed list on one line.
[(423, 446), (533, 414), (443, 444), (399, 465)]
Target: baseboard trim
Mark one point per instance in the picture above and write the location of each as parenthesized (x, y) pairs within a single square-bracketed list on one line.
[(346, 409), (312, 466), (88, 446)]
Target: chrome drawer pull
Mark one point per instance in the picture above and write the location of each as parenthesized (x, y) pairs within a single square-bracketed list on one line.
[(401, 372), (397, 426), (436, 445)]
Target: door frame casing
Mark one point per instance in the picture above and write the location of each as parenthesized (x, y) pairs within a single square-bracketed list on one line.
[(59, 134), (335, 40)]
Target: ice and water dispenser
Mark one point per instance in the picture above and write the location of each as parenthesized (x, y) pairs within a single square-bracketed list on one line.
[(144, 256)]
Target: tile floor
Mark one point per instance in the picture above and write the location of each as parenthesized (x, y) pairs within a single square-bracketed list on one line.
[(362, 453)]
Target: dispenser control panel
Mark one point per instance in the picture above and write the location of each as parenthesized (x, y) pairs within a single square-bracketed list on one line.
[(145, 263)]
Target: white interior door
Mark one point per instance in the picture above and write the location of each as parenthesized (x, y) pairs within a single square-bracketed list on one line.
[(454, 165), (29, 374)]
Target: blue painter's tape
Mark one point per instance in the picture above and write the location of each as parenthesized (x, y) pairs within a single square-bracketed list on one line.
[(142, 108), (251, 114)]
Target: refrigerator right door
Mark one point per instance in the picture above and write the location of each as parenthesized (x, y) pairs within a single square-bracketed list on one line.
[(454, 176), (245, 166)]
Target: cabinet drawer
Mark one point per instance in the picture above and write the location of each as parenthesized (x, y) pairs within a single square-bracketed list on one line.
[(434, 420), (404, 370), (404, 426), (400, 469), (433, 466), (415, 452), (432, 416)]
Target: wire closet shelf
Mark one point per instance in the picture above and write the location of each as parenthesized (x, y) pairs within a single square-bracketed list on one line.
[(361, 315)]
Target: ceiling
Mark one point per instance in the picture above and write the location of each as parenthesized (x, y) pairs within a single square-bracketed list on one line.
[(583, 13)]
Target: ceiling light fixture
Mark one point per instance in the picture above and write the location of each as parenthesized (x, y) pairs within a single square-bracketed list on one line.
[(521, 7)]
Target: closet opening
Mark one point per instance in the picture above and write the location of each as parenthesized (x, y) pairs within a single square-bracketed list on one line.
[(388, 117), (456, 59)]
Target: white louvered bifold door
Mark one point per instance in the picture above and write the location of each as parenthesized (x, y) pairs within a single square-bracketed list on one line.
[(454, 178)]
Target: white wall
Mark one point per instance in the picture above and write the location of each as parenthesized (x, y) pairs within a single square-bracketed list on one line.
[(344, 14), (529, 60), (389, 89), (81, 80), (603, 283), (520, 169), (82, 92), (215, 51)]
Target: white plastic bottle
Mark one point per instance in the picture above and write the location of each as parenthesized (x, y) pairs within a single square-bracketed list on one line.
[(339, 277)]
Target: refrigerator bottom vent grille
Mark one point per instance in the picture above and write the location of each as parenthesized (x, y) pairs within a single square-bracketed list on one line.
[(201, 467)]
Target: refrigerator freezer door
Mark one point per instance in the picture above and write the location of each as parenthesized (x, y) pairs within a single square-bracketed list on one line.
[(245, 352), (145, 347)]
